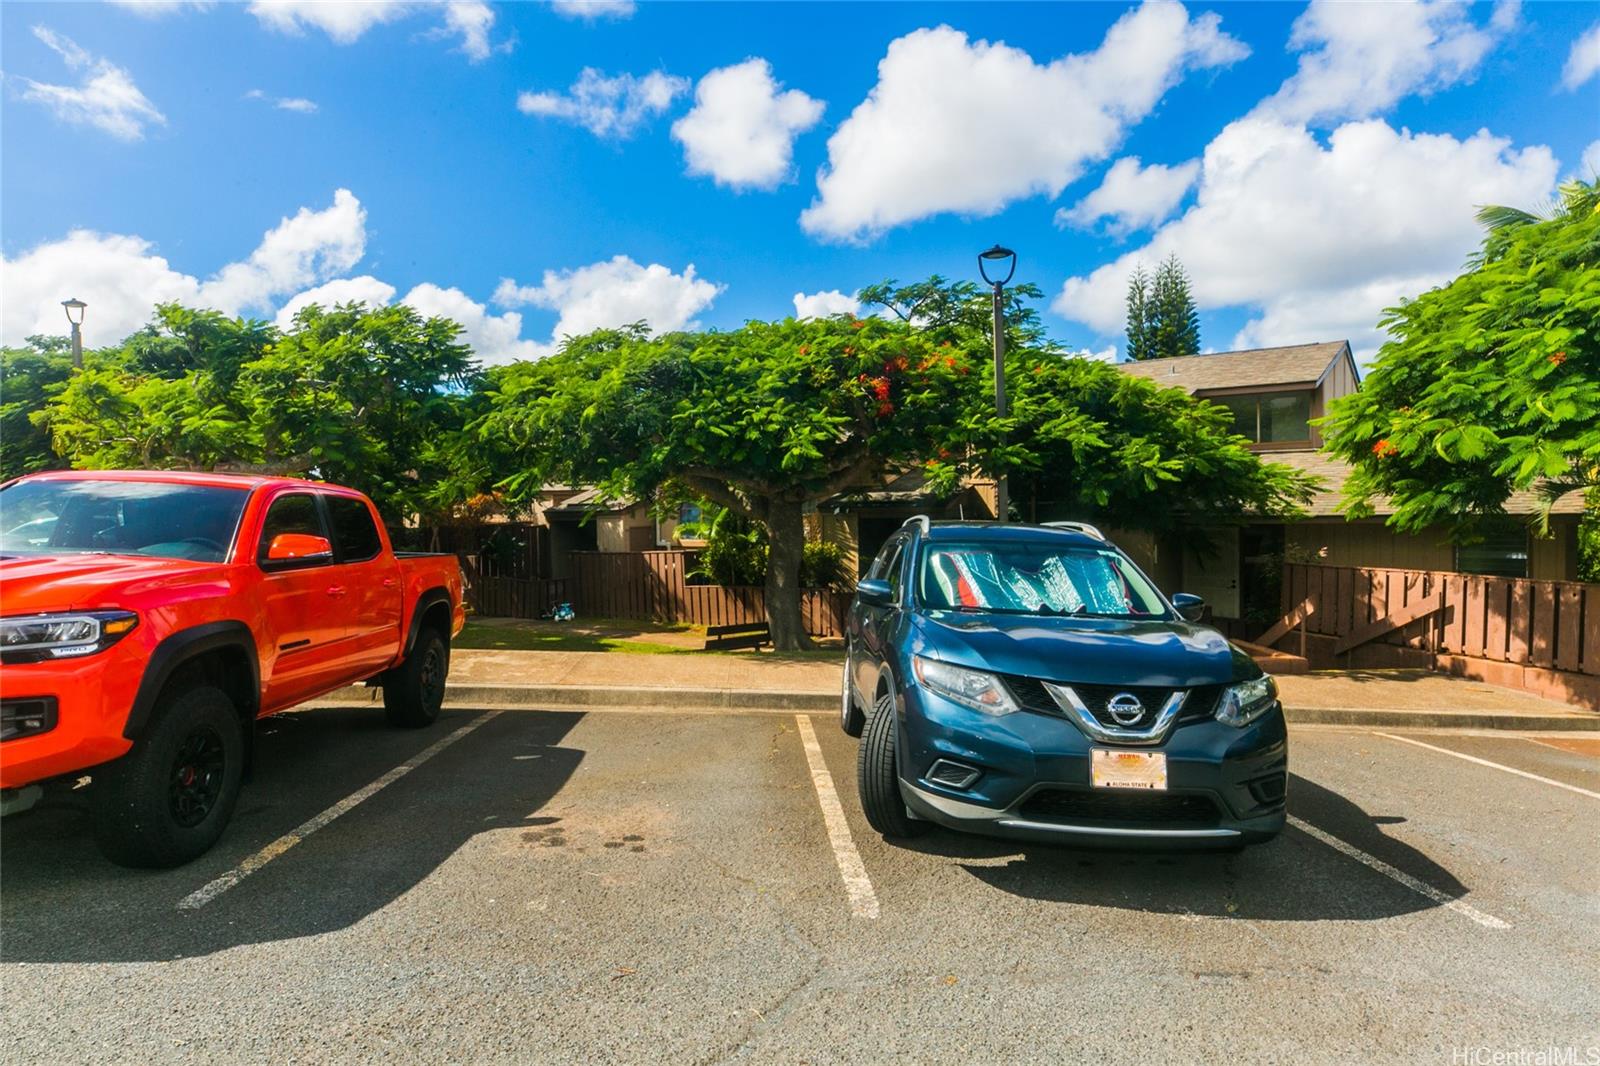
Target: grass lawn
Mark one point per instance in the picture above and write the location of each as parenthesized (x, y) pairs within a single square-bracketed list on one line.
[(614, 635)]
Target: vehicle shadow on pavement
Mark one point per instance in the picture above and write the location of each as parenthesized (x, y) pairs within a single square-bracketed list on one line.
[(1292, 878), (60, 901)]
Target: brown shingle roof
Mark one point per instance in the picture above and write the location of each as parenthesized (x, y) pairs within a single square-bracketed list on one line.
[(1228, 370), (1333, 472)]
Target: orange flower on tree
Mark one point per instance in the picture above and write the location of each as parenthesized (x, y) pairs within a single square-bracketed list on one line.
[(1558, 358), (1384, 448)]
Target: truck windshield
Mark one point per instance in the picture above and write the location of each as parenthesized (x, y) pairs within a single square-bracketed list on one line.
[(1035, 579), (48, 517)]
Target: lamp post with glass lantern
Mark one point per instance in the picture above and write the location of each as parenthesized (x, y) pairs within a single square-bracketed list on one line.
[(74, 308), (997, 257)]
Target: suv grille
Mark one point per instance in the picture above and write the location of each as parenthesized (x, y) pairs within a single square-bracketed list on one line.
[(1119, 807), (1200, 704)]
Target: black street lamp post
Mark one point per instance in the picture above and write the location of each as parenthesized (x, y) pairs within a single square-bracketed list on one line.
[(74, 308), (998, 256)]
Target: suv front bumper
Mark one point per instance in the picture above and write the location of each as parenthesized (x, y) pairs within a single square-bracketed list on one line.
[(1236, 778)]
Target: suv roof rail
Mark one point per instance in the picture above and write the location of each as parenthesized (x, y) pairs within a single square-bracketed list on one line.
[(919, 520), (1077, 527)]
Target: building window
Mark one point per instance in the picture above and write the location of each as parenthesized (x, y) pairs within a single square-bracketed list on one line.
[(1270, 417), (1500, 551)]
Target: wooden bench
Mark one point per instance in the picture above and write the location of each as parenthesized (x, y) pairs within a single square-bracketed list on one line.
[(738, 635)]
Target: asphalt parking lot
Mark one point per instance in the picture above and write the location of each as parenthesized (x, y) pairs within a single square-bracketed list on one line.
[(565, 886)]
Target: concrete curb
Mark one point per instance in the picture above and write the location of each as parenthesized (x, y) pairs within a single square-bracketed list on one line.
[(712, 700)]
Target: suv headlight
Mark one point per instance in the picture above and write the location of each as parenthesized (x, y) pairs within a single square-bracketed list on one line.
[(971, 688), (1243, 703), (42, 637)]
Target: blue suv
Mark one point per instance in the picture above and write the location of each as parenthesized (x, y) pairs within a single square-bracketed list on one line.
[(1030, 682)]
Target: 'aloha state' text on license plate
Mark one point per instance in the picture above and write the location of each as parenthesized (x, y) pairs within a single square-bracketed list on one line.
[(1128, 769)]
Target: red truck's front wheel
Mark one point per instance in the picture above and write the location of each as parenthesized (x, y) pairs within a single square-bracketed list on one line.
[(413, 692), (168, 800)]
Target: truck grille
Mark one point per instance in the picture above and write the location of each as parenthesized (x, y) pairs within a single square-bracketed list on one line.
[(1119, 807)]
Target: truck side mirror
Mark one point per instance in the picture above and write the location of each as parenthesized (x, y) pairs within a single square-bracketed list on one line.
[(1190, 606), (874, 593), (300, 547)]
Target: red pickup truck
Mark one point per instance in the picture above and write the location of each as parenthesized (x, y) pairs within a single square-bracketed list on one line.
[(147, 619)]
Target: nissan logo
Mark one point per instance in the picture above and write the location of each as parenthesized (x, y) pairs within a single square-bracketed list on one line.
[(1125, 708)]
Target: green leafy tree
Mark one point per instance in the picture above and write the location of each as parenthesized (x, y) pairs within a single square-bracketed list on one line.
[(1490, 384), (372, 398), (1101, 444), (765, 420), (1162, 318), (29, 377), (1174, 321), (1138, 328)]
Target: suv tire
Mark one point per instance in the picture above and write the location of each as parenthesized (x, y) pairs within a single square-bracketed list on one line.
[(413, 692), (169, 799), (877, 778)]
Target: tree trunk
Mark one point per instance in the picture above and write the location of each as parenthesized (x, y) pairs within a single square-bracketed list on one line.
[(786, 532)]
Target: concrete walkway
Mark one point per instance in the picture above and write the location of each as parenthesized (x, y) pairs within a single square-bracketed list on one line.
[(767, 682)]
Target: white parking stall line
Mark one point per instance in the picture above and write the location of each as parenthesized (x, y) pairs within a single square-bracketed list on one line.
[(1493, 765), (201, 896), (1422, 888), (857, 885)]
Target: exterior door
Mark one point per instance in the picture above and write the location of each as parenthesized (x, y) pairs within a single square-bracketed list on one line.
[(305, 621), (370, 581), (1214, 575)]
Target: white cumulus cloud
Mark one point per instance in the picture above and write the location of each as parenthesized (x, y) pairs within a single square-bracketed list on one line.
[(1132, 196), (593, 9), (742, 127), (105, 96), (955, 125), (614, 292), (364, 289), (607, 106), (1583, 62), (1107, 354), (345, 21), (493, 338), (825, 303), (308, 246), (1317, 239), (122, 279), (1361, 59)]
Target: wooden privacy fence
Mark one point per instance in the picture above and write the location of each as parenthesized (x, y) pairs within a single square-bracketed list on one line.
[(654, 585), (1550, 629), (495, 595)]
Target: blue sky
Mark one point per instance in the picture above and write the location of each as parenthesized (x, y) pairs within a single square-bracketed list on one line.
[(1308, 164)]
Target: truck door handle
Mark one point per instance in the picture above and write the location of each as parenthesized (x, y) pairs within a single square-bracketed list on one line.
[(389, 582), (336, 590)]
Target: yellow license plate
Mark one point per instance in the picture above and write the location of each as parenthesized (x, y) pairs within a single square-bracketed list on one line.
[(1128, 769)]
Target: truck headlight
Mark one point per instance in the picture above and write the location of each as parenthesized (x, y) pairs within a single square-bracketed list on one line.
[(971, 688), (42, 637), (1243, 703)]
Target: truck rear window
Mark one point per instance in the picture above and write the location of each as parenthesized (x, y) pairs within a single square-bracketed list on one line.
[(51, 517)]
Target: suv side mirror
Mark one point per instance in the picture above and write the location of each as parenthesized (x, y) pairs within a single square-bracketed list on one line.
[(304, 547), (1190, 606), (874, 592)]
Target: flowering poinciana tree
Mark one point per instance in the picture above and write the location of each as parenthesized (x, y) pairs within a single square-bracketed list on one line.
[(766, 420), (1491, 384)]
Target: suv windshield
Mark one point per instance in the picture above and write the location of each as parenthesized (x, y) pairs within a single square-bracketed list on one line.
[(1035, 579), (120, 517)]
